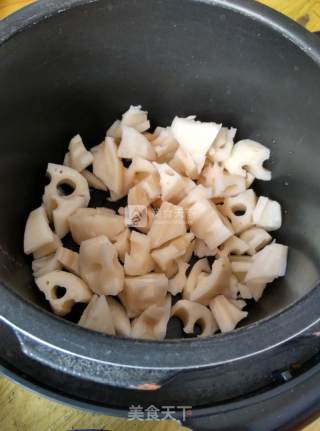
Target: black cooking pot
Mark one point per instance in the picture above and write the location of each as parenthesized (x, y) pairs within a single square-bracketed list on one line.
[(69, 66)]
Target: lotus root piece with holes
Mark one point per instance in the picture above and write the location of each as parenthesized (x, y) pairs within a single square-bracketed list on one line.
[(49, 248), (152, 323), (177, 283), (240, 265), (141, 292), (233, 245), (108, 167), (169, 223), (176, 248), (122, 243), (267, 214), (73, 290), (80, 157), (138, 261), (202, 250), (134, 144), (69, 260), (268, 264), (171, 183), (99, 266), (199, 268), (210, 285), (136, 118), (249, 156), (188, 131), (197, 193), (239, 210), (223, 183), (93, 181), (138, 170), (120, 318), (226, 314), (97, 316), (38, 233), (88, 223), (183, 163), (207, 224), (59, 206), (145, 192), (256, 238), (164, 144), (222, 146), (191, 314), (43, 265)]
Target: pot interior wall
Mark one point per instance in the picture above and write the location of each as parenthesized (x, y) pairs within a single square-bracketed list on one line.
[(79, 70)]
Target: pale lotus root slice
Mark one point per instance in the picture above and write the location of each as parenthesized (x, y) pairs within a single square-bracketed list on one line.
[(97, 316), (74, 290), (191, 313), (226, 314), (100, 267), (152, 323)]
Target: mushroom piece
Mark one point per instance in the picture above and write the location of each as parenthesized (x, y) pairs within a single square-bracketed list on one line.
[(202, 250), (63, 290), (226, 314), (222, 182), (233, 245), (49, 248), (79, 157), (152, 323), (120, 318), (38, 233), (97, 316), (143, 291), (168, 223), (138, 261), (88, 223), (183, 163), (210, 285), (268, 264), (191, 314), (68, 259), (207, 224), (99, 266), (239, 210), (222, 146), (248, 155), (60, 206), (256, 238), (267, 214), (188, 131), (199, 268), (173, 250), (43, 265), (164, 144), (171, 183), (108, 167), (177, 283), (122, 243), (134, 144), (94, 181)]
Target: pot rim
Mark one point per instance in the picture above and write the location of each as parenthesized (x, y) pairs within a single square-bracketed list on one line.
[(45, 328)]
